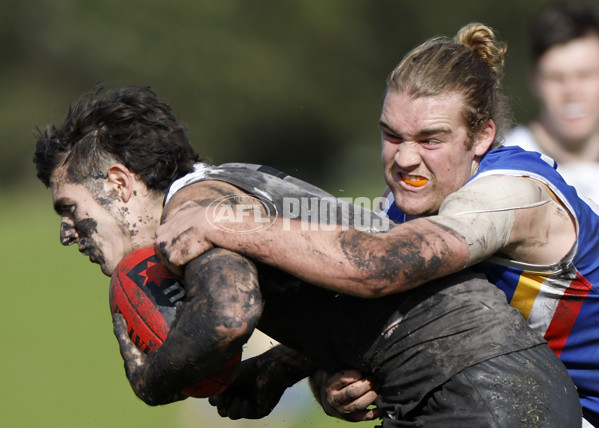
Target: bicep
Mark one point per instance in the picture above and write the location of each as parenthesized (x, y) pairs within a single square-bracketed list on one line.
[(222, 287), (220, 310), (498, 214)]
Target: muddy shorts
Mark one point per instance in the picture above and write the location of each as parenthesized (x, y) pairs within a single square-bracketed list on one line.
[(528, 388)]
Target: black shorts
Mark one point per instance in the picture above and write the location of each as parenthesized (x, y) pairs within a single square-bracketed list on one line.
[(528, 388)]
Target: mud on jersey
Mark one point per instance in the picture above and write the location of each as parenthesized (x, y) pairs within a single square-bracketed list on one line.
[(411, 342), (287, 197)]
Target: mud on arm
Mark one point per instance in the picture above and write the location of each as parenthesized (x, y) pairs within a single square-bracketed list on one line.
[(221, 309), (261, 382)]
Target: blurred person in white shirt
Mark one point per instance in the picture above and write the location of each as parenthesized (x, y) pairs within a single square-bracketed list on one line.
[(564, 76)]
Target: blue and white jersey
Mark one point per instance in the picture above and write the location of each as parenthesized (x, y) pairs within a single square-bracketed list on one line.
[(560, 301)]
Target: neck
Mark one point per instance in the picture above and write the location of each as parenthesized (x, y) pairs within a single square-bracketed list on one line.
[(144, 217)]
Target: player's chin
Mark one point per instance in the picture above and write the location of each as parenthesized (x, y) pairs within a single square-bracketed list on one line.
[(107, 269), (414, 206), (107, 263)]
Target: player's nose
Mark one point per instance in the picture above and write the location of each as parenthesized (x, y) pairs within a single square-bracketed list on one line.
[(407, 155), (68, 234)]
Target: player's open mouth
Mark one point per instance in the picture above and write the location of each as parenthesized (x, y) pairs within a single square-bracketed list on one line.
[(413, 180)]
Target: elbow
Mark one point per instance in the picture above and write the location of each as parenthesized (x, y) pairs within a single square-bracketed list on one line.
[(237, 336), (376, 290), (236, 329), (376, 287), (153, 401)]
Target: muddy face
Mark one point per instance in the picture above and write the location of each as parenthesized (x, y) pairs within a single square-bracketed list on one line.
[(87, 229), (92, 222)]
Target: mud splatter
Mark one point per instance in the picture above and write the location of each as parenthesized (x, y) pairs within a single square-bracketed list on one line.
[(67, 233), (86, 227)]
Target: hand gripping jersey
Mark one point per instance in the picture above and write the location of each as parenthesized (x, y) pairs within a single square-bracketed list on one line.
[(559, 301)]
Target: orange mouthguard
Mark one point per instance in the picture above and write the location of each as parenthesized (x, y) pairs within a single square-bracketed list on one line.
[(416, 181)]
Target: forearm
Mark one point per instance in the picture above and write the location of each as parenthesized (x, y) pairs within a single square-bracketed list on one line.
[(260, 383), (284, 366), (221, 309), (334, 256), (353, 262)]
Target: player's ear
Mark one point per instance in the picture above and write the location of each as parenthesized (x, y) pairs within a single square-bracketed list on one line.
[(485, 138), (120, 179)]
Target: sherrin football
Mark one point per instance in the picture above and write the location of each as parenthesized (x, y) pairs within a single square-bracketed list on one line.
[(147, 295)]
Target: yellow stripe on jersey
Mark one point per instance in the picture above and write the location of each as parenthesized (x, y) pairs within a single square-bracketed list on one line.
[(526, 292)]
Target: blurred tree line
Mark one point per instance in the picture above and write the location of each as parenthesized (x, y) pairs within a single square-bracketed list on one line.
[(296, 84)]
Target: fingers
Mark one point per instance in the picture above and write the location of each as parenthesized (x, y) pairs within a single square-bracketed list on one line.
[(348, 395), (173, 247), (224, 404), (366, 415), (352, 401), (349, 390), (238, 409), (343, 379), (131, 354), (180, 238), (176, 270), (233, 408), (120, 329), (359, 410)]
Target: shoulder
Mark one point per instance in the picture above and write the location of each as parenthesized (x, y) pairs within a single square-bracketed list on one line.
[(207, 193), (203, 182), (515, 161), (198, 174), (495, 192)]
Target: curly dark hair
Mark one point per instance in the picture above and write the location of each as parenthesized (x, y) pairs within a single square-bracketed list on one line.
[(129, 125)]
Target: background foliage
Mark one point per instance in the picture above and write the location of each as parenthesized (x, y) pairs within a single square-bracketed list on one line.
[(296, 84)]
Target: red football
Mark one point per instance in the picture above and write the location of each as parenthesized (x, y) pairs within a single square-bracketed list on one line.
[(147, 295)]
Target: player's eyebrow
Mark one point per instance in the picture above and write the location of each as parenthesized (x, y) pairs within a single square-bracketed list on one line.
[(387, 128), (421, 134)]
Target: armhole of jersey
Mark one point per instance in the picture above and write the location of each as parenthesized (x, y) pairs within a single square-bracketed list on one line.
[(559, 199), (553, 191), (559, 202), (198, 173)]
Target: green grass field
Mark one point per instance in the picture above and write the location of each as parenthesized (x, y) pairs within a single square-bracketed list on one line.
[(60, 362)]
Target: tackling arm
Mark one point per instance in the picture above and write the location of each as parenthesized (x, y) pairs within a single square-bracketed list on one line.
[(347, 261), (513, 215), (343, 260)]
